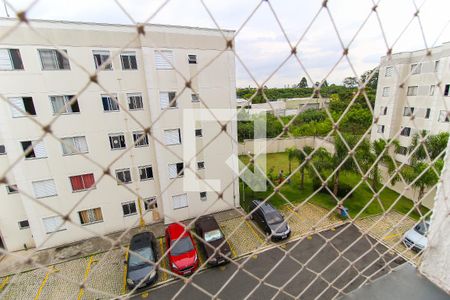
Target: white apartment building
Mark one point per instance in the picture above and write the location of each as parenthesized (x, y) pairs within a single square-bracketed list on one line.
[(57, 178), (408, 85)]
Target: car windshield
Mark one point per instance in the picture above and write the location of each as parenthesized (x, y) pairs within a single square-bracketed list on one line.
[(274, 218), (144, 255), (181, 246), (213, 235), (422, 228)]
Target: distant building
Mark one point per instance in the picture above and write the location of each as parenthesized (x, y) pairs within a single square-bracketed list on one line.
[(418, 95), (285, 107)]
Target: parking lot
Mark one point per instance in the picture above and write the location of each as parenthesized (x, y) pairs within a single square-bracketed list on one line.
[(105, 272)]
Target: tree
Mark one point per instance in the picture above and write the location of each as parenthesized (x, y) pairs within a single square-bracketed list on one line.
[(379, 150), (413, 175), (325, 84), (291, 155), (303, 83), (350, 82), (434, 145), (373, 81), (301, 155)]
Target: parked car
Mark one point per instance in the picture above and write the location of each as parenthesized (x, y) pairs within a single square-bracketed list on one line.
[(270, 220), (142, 253), (183, 257), (208, 229), (416, 237)]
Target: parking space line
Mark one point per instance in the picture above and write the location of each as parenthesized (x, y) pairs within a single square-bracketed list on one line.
[(125, 269), (51, 270), (163, 262), (254, 231), (4, 282), (295, 213), (233, 250), (86, 274), (391, 236)]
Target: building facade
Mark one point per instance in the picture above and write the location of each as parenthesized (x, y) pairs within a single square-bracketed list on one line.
[(143, 87), (413, 94)]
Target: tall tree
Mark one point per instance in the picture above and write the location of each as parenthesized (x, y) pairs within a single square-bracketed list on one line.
[(434, 145), (301, 155), (378, 150), (371, 76), (292, 153), (413, 175), (350, 82), (303, 83)]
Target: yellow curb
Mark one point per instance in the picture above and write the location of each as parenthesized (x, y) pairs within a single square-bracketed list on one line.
[(391, 236), (254, 231), (86, 274), (295, 213), (309, 237), (163, 262), (4, 282), (51, 270), (125, 268)]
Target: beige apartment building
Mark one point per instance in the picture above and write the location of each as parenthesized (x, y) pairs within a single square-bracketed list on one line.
[(408, 85), (50, 178)]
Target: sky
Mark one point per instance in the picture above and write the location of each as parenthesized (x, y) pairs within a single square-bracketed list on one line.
[(263, 46)]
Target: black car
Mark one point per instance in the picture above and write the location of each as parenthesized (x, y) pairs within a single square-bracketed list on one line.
[(207, 228), (138, 266), (270, 220)]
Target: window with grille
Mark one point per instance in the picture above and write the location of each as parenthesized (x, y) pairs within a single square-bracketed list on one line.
[(443, 116), (192, 59), (406, 131), (82, 182), (34, 149), (52, 59), (167, 100), (447, 89), (100, 58), (53, 224), (172, 136), (150, 203), (62, 104), (117, 141), (128, 60), (90, 216), (176, 170), (200, 165), (163, 59), (195, 98), (386, 91), (44, 188), (198, 133), (180, 201), (12, 189), (408, 111), (140, 139), (416, 68), (383, 110), (388, 71), (412, 91), (135, 101), (110, 103), (74, 145), (203, 196), (436, 66), (24, 224), (129, 208), (22, 106), (2, 149), (145, 173), (10, 59), (428, 113), (123, 175)]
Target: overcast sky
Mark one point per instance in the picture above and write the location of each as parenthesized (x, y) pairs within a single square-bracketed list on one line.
[(261, 43)]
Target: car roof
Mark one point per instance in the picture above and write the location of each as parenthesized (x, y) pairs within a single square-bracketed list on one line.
[(175, 230), (207, 223), (141, 240), (265, 207)]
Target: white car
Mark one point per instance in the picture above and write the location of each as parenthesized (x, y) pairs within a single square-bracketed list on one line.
[(416, 237)]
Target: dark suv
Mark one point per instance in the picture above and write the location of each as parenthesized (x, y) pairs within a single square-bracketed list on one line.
[(208, 229), (142, 252), (270, 220)]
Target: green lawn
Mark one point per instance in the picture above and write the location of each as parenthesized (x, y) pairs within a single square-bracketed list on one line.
[(354, 203)]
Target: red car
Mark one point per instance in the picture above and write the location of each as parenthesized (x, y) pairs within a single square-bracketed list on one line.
[(183, 257)]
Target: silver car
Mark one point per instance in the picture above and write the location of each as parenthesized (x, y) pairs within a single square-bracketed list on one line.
[(416, 237)]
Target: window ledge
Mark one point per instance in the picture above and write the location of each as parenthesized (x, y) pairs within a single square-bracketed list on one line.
[(129, 215), (72, 154), (84, 190), (91, 223)]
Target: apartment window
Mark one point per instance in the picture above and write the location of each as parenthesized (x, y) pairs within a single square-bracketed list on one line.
[(52, 59), (443, 116), (24, 224), (203, 196), (432, 87), (428, 113), (388, 71), (416, 68), (129, 208), (100, 57), (412, 91), (140, 139), (383, 110), (117, 141), (198, 133), (386, 91), (145, 173), (192, 59), (82, 182), (447, 89), (44, 188), (10, 59), (408, 111), (61, 104), (402, 150), (25, 106), (12, 189), (180, 201), (53, 224), (406, 131), (200, 165), (166, 100), (380, 129), (128, 60), (110, 103), (34, 149), (176, 170), (172, 136), (2, 150), (74, 145), (123, 175), (163, 59), (195, 98), (150, 203), (436, 66), (135, 101), (90, 216)]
